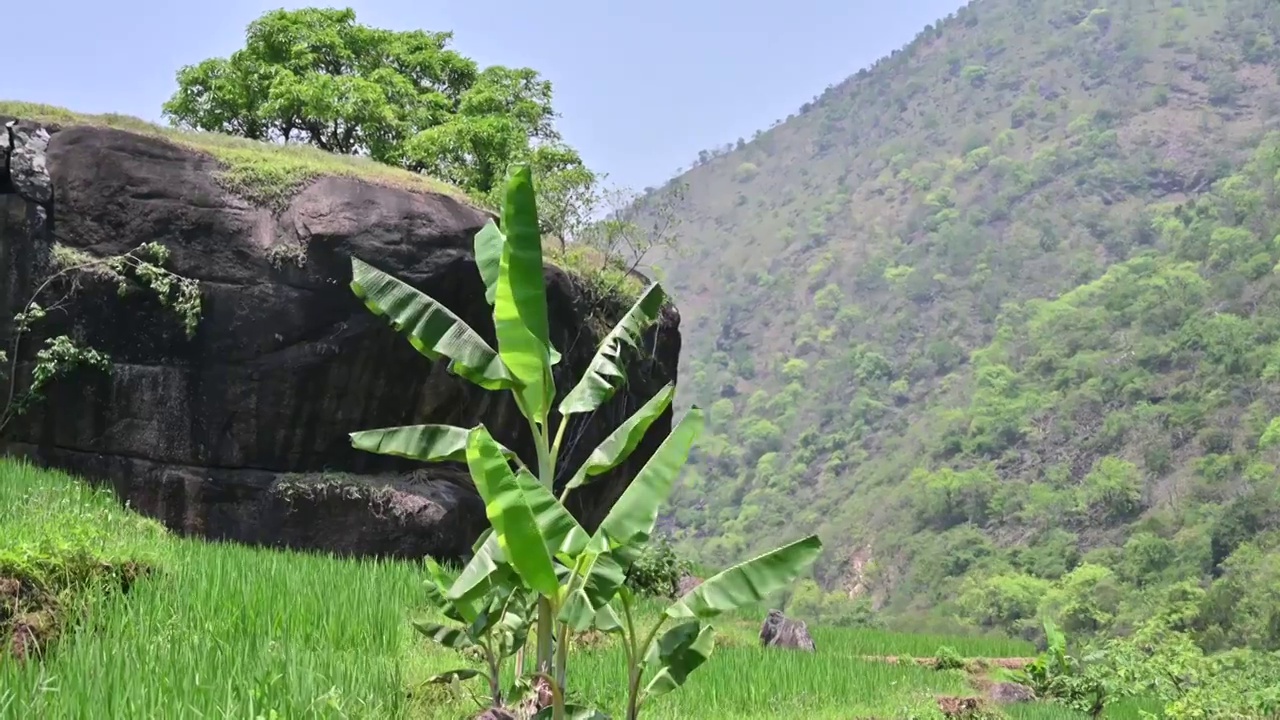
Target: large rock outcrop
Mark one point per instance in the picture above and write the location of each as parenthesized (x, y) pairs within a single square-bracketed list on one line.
[(241, 432), (778, 630)]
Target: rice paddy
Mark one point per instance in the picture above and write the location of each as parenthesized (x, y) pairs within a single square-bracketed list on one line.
[(209, 630)]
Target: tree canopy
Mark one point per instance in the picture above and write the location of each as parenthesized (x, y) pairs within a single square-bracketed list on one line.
[(405, 98)]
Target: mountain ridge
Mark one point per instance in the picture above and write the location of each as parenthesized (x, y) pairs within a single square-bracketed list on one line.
[(849, 272)]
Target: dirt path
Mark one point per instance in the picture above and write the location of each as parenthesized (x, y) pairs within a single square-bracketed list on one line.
[(971, 664), (978, 672)]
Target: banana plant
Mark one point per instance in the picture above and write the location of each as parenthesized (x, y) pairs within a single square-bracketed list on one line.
[(534, 530), (510, 264), (668, 660), (495, 631), (534, 541)]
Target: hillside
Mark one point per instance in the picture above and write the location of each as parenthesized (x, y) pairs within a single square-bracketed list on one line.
[(998, 316)]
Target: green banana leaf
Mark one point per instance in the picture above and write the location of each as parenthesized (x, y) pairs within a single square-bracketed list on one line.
[(458, 675), (509, 511), (618, 446), (576, 612), (520, 299), (748, 582), (515, 626), (631, 520), (681, 650), (562, 534), (436, 589), (603, 375), (607, 620), (603, 577), (489, 243), (488, 248), (560, 530), (487, 567), (427, 443), (495, 611), (430, 327), (450, 637)]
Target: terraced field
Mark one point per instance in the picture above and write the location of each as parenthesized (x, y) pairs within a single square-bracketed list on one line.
[(106, 615)]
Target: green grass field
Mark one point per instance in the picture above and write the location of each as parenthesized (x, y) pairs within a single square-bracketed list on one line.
[(223, 631)]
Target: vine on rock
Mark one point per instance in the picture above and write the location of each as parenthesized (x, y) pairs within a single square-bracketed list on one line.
[(62, 354)]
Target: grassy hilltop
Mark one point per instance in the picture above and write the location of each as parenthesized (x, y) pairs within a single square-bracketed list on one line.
[(998, 315)]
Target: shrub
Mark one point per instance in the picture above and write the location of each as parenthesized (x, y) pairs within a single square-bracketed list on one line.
[(658, 570), (948, 659)]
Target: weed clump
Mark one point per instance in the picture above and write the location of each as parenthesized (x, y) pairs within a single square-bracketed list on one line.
[(266, 174), (61, 555), (658, 571)]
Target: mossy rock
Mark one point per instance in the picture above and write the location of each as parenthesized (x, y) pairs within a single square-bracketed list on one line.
[(266, 174)]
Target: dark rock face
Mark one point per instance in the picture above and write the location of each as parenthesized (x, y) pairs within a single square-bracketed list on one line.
[(241, 432), (781, 631)]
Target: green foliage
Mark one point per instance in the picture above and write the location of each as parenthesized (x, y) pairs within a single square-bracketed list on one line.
[(496, 628), (1063, 677), (61, 355), (347, 651), (658, 570), (404, 98), (947, 659), (65, 561), (1042, 379), (831, 608), (135, 603)]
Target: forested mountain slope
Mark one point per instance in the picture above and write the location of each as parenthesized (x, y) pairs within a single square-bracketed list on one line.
[(1000, 316)]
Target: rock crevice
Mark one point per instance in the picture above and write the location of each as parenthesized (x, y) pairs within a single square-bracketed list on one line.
[(207, 433)]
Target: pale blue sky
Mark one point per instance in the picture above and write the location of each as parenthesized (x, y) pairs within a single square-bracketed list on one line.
[(641, 86)]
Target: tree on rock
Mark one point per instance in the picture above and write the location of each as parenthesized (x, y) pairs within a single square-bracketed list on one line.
[(401, 97)]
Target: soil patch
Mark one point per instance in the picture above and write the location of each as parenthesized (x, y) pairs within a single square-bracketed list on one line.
[(978, 670), (33, 614), (972, 665), (968, 708), (27, 617)]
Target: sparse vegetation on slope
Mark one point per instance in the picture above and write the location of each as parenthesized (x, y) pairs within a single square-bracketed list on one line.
[(261, 172), (997, 315)]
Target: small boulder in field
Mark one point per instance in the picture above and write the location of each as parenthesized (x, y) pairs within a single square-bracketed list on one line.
[(966, 708), (784, 632), (1008, 693), (30, 633), (687, 583)]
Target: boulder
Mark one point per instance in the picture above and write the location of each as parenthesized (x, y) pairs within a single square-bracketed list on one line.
[(961, 708), (781, 631), (241, 431), (687, 584), (1008, 693)]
